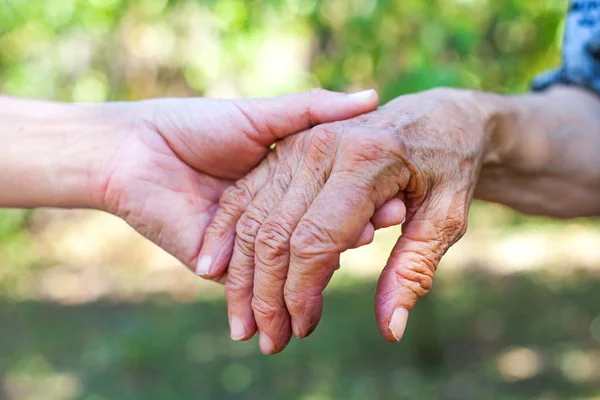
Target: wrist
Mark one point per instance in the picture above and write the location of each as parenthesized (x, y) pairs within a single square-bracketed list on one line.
[(515, 146), (496, 115), (55, 154), (544, 152), (499, 127), (524, 130), (482, 116)]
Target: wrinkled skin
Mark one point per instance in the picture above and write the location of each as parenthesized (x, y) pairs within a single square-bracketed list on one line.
[(171, 163), (319, 193)]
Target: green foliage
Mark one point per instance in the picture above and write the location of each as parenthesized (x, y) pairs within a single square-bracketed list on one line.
[(473, 338), (15, 248), (125, 49), (97, 50)]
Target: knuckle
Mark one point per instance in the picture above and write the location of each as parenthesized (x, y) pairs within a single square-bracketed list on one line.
[(231, 205), (310, 238), (455, 227), (235, 197), (322, 141), (270, 277), (272, 240), (217, 228), (370, 147), (450, 224), (430, 250), (418, 277), (366, 148), (243, 254), (248, 226), (237, 288), (265, 310), (294, 299)]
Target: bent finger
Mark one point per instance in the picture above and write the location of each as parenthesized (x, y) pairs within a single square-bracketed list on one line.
[(241, 272), (217, 247), (319, 239), (392, 213), (273, 244), (408, 275)]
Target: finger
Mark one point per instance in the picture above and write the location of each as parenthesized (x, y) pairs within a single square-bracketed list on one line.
[(218, 242), (366, 237), (320, 237), (241, 272), (363, 179), (278, 117), (408, 275), (392, 213), (273, 243)]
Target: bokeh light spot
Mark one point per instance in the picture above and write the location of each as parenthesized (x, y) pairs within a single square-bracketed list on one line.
[(518, 364), (201, 348), (577, 365), (104, 4), (595, 329), (236, 377), (91, 88), (301, 7)]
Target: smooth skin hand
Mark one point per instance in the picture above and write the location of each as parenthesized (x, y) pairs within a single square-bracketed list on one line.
[(421, 157), (161, 165)]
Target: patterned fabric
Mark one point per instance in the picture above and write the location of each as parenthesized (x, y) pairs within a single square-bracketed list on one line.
[(581, 49)]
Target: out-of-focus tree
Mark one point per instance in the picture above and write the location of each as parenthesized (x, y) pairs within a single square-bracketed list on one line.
[(98, 50), (485, 332)]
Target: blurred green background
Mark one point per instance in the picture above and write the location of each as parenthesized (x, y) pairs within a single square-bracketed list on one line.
[(89, 310)]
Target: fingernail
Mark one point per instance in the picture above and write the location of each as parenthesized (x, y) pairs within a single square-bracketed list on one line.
[(398, 323), (266, 344), (204, 265), (365, 94), (238, 329)]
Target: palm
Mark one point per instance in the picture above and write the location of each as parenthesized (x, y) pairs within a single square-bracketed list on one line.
[(166, 176), (161, 196)]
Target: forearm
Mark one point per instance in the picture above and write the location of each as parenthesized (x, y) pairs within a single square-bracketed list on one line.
[(51, 154), (544, 152)]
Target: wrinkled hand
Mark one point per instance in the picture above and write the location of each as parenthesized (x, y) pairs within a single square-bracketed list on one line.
[(175, 158), (322, 192)]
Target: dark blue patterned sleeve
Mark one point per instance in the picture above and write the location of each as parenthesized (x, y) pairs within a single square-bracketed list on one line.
[(581, 49)]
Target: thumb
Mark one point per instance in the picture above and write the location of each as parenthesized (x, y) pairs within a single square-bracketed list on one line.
[(408, 275), (277, 117)]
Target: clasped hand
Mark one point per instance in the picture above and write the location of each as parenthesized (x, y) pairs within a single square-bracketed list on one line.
[(277, 234)]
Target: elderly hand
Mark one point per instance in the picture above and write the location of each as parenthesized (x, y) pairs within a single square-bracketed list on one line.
[(322, 192), (172, 159)]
